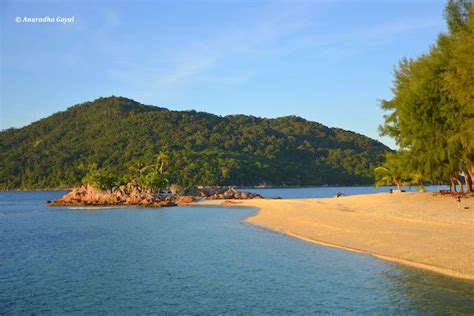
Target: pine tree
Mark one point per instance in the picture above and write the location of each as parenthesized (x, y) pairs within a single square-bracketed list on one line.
[(431, 116)]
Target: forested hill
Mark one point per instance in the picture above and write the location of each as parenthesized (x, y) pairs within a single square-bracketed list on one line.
[(116, 133)]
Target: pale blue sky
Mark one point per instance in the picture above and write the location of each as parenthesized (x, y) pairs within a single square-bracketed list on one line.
[(327, 61)]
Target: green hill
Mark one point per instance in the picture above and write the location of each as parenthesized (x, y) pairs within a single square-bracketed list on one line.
[(206, 149)]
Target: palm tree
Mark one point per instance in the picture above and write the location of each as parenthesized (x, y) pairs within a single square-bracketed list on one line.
[(393, 171), (162, 159), (385, 176)]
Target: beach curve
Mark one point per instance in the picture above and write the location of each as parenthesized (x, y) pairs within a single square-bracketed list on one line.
[(414, 229)]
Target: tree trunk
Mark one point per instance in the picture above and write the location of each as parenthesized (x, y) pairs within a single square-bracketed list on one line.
[(461, 189), (470, 173), (453, 184), (468, 180), (398, 184)]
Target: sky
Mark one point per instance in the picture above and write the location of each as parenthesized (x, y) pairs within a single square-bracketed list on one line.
[(326, 61)]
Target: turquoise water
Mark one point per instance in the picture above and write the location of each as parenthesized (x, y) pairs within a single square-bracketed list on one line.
[(194, 260)]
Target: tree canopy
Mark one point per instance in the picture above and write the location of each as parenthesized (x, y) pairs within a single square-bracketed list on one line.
[(431, 116)]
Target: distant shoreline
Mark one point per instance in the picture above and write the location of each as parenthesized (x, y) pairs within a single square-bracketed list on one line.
[(237, 187), (223, 186)]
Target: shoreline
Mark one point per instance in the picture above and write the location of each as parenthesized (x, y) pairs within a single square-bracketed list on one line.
[(38, 190), (413, 264), (419, 230)]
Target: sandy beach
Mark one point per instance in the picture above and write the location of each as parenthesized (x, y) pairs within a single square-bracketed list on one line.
[(416, 229)]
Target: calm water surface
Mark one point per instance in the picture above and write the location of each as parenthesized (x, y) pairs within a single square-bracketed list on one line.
[(320, 192), (194, 260)]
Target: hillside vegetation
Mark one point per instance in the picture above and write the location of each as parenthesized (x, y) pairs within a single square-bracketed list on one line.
[(116, 134)]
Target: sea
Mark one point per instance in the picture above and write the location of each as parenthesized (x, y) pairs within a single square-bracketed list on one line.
[(197, 260)]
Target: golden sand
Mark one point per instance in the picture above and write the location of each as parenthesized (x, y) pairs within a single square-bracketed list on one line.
[(415, 229)]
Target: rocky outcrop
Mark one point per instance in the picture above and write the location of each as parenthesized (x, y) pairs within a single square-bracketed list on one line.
[(219, 193), (133, 194), (183, 200), (207, 192), (130, 194)]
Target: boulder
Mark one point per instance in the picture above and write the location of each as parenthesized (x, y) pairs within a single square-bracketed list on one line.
[(186, 200), (167, 203), (210, 191)]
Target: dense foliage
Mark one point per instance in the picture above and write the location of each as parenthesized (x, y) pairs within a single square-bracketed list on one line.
[(122, 137), (432, 112)]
